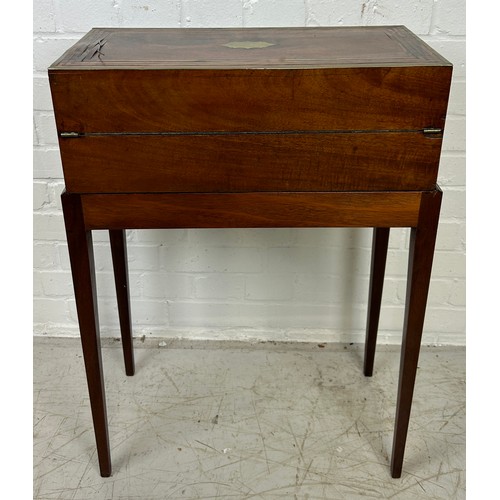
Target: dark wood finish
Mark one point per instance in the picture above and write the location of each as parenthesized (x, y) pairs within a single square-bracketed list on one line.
[(118, 243), (204, 210), (273, 127), (251, 162), (214, 100), (311, 111), (115, 48), (423, 238), (82, 268), (377, 272)]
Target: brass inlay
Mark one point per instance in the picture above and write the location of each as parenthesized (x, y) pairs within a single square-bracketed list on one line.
[(248, 44)]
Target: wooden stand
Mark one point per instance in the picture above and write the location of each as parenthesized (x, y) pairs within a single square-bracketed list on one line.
[(250, 128), (420, 211)]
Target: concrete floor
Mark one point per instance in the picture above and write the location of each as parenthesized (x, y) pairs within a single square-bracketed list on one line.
[(204, 420)]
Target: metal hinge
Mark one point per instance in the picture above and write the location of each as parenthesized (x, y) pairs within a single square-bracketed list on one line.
[(70, 134), (432, 131)]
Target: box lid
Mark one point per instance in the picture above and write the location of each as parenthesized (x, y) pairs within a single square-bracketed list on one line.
[(269, 48)]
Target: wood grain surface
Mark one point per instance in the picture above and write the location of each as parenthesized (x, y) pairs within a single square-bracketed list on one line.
[(249, 162), (200, 210), (218, 100), (162, 48)]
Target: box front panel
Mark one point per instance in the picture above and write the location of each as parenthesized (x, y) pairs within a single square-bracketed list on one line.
[(250, 162), (250, 130), (396, 98)]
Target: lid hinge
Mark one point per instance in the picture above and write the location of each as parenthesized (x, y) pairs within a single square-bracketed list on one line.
[(432, 131), (66, 135)]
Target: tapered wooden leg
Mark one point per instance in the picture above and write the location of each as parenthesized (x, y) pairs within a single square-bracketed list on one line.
[(422, 243), (82, 268), (117, 239), (379, 257)]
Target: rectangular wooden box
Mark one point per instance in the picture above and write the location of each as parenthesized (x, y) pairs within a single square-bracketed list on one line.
[(250, 110)]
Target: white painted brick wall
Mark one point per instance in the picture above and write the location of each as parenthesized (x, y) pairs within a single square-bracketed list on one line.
[(282, 284)]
